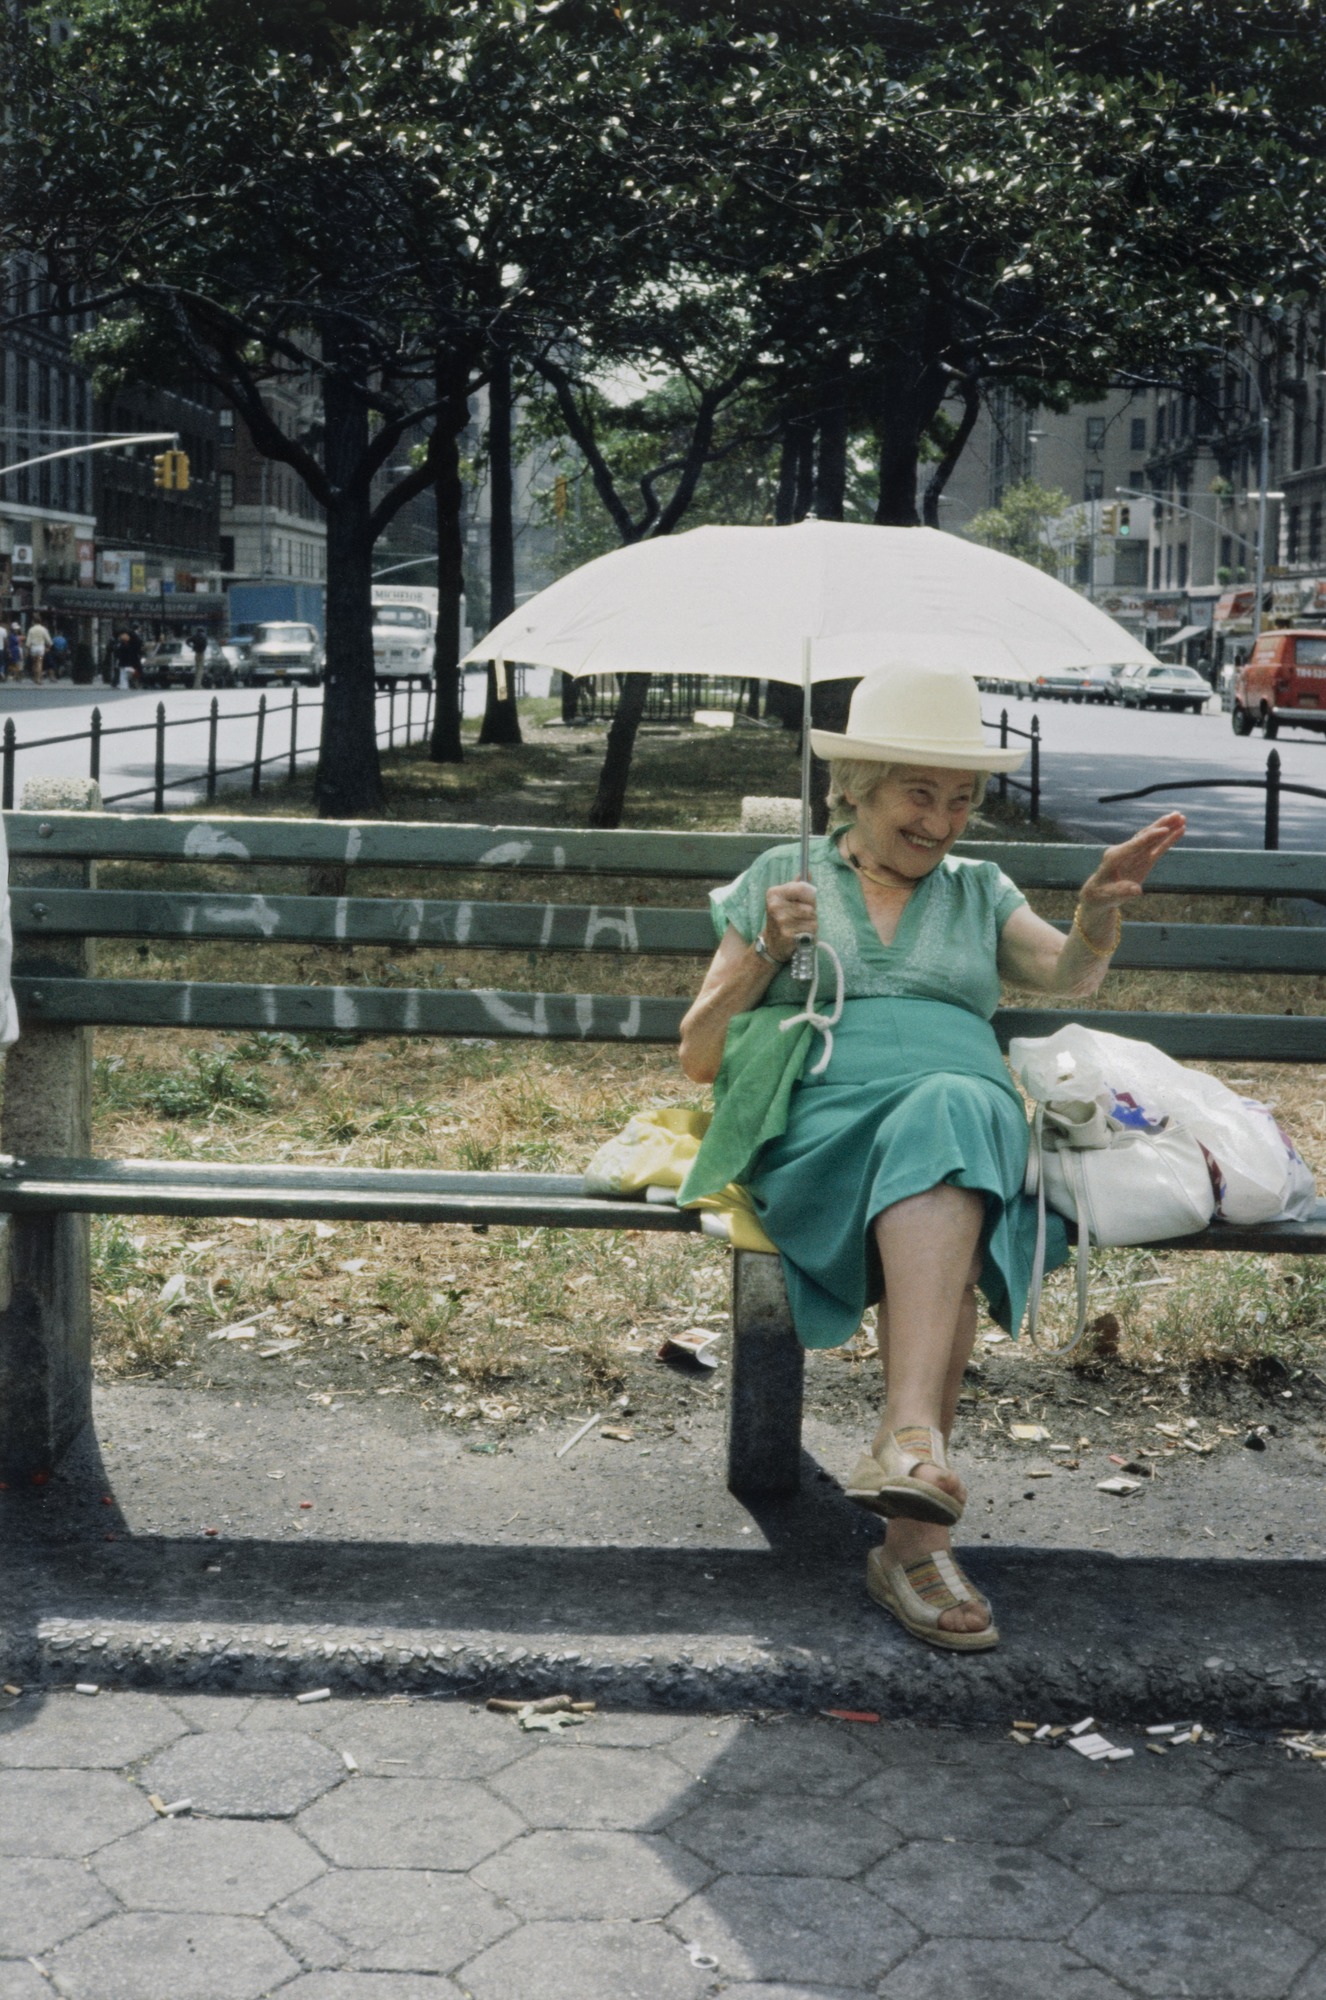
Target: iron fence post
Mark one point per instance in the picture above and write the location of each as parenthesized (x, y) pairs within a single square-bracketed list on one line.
[(1272, 840), (1003, 745), (212, 717), (409, 710), (391, 715), (294, 724), (1035, 770), (94, 747), (428, 711), (255, 785), (159, 762), (7, 791)]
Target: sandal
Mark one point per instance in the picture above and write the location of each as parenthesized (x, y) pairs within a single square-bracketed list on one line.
[(887, 1484), (918, 1593)]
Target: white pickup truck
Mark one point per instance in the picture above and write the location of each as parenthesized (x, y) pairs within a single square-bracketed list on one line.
[(404, 633)]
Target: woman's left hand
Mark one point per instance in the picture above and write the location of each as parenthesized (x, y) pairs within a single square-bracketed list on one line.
[(1124, 869)]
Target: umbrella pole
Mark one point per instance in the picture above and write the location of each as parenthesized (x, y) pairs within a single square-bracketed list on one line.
[(803, 958)]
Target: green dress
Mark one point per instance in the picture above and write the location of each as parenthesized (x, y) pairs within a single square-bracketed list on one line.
[(916, 1092)]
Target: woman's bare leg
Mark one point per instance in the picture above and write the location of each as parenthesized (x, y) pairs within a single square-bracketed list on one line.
[(929, 1247)]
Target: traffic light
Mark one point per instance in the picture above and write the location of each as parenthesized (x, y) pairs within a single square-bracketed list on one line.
[(170, 469), (1125, 520), (1109, 520)]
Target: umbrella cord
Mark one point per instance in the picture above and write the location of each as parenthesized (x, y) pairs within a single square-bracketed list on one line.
[(826, 1023)]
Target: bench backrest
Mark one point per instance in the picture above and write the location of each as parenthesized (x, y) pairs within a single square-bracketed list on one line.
[(45, 991)]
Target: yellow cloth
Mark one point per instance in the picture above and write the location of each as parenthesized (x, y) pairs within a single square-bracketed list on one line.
[(656, 1149)]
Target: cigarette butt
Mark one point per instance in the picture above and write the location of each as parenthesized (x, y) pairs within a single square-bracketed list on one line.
[(157, 1803), (86, 1687), (349, 1763), (1157, 1749), (314, 1694), (179, 1806), (11, 1688), (1026, 1725), (583, 1707), (1018, 1736)]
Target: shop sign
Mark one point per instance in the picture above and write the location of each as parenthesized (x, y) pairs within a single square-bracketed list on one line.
[(23, 556), (113, 569), (138, 576), (87, 563)]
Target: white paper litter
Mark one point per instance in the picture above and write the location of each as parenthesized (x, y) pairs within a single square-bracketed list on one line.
[(314, 1694)]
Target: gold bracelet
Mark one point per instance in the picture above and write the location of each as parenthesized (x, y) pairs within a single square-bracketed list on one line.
[(1095, 949)]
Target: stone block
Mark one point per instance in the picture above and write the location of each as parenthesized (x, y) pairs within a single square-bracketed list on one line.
[(1287, 1810), (795, 1756), (1182, 1776), (367, 1986), (42, 1902), (1186, 1848), (589, 1962), (775, 1928), (66, 1814), (1217, 1946), (218, 1867), (997, 1969), (69, 1730), (421, 1739), (235, 1776), (152, 1957), (779, 1835), (584, 1875), (981, 1890), (1292, 1886), (960, 1801), (567, 1785), (21, 1981), (390, 1920), (222, 1711), (409, 1823)]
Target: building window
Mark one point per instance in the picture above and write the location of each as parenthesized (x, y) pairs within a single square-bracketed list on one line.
[(1155, 569), (1291, 535), (1182, 554), (1169, 566), (226, 483), (43, 394), (226, 550), (1095, 433), (1314, 532), (1160, 423), (80, 491), (1298, 431), (1137, 434), (22, 386), (1093, 484), (1226, 552), (1136, 479), (1319, 429)]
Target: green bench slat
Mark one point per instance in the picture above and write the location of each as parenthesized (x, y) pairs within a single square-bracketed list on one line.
[(149, 913), (401, 921), (131, 1187), (366, 1010), (591, 1017), (577, 850)]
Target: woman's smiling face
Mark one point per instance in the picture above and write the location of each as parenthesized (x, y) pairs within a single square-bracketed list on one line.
[(912, 818)]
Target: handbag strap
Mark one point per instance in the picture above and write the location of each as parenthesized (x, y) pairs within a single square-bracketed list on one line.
[(1076, 1177)]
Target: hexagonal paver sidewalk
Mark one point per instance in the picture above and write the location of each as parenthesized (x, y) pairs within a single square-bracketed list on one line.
[(235, 1776)]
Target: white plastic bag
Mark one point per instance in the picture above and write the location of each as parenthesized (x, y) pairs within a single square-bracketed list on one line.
[(1257, 1175)]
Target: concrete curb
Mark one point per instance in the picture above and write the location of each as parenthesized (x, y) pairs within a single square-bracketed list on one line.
[(1132, 1640)]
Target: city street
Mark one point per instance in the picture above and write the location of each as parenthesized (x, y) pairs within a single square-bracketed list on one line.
[(1090, 750), (127, 762)]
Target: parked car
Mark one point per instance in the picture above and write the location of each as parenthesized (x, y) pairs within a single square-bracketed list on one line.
[(1165, 687), (237, 659), (404, 638), (170, 663), (1064, 684), (1282, 682), (284, 650)]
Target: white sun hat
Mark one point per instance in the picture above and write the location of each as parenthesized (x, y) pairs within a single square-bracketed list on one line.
[(917, 715)]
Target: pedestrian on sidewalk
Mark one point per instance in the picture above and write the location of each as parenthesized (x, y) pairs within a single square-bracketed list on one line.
[(198, 647), (14, 652), (126, 658), (891, 1168), (39, 644)]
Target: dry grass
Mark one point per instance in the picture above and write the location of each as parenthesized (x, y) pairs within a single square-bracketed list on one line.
[(493, 1326)]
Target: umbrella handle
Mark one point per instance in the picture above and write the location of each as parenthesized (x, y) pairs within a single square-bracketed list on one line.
[(802, 967)]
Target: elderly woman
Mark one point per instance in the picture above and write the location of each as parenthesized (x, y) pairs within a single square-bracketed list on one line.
[(895, 1173)]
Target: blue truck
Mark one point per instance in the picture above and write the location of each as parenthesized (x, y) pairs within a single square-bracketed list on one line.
[(263, 603)]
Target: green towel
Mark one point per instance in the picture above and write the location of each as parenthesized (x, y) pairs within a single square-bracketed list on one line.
[(752, 1092)]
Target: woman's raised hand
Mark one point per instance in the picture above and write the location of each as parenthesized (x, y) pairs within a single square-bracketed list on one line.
[(789, 913), (1124, 869)]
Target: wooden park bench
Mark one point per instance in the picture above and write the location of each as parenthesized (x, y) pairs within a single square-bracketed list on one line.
[(50, 1184)]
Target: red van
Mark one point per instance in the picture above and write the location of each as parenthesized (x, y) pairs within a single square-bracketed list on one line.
[(1283, 681)]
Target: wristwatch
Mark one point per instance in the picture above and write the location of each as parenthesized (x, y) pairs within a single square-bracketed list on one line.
[(762, 951)]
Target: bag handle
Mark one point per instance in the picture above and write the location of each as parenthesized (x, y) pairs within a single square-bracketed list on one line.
[(1076, 1178)]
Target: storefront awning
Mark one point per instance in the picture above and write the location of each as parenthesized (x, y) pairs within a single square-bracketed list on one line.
[(192, 607), (1181, 638)]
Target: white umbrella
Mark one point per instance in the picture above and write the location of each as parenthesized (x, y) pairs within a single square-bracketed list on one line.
[(824, 600)]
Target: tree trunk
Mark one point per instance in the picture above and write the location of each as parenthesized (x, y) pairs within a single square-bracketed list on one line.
[(831, 461), (610, 799), (911, 391), (446, 746), (349, 780), (829, 702), (943, 472), (570, 699), (501, 723)]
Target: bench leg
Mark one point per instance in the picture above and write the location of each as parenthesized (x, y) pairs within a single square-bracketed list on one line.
[(45, 1264), (768, 1371)]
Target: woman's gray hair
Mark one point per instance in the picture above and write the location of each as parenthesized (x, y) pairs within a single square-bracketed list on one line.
[(854, 780)]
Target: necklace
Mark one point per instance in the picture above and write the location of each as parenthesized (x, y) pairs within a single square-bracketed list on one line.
[(882, 880)]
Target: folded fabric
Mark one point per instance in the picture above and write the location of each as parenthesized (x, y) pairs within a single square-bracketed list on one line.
[(752, 1095), (656, 1150)]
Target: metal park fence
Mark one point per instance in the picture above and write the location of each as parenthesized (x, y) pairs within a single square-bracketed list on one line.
[(409, 719), (671, 697), (1031, 784), (1272, 784)]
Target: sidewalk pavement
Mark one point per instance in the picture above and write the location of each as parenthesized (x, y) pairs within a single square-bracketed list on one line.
[(427, 1850), (270, 1546)]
